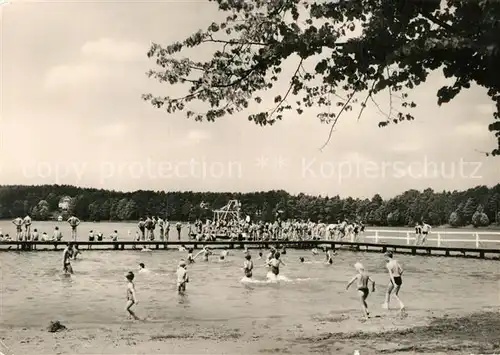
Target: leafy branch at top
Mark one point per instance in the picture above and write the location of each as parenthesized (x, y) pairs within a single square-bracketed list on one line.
[(349, 44)]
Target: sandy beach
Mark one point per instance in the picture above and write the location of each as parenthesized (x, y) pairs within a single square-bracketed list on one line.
[(390, 334)]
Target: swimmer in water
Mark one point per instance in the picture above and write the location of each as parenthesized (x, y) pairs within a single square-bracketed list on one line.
[(275, 263), (362, 279), (248, 266), (182, 277), (190, 257), (260, 255), (67, 254), (315, 251), (223, 254), (395, 281), (206, 253), (182, 248), (329, 257), (301, 259), (76, 251), (143, 269), (270, 256), (131, 296)]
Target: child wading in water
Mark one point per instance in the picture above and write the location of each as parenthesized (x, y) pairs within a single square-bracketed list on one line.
[(131, 297), (182, 277), (248, 266), (362, 279)]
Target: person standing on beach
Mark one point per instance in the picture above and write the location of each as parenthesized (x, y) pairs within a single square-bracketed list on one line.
[(178, 226), (131, 295), (18, 222), (67, 255), (73, 222), (395, 281), (362, 279)]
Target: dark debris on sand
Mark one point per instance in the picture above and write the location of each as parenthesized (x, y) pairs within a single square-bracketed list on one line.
[(476, 333)]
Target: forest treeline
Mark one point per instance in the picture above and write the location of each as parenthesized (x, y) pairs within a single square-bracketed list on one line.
[(479, 206)]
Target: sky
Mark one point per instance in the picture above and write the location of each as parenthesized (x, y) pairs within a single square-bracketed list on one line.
[(72, 75)]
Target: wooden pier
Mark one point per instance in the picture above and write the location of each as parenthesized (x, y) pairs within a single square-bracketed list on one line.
[(19, 246)]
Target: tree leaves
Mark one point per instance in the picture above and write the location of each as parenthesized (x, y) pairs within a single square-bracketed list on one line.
[(392, 46)]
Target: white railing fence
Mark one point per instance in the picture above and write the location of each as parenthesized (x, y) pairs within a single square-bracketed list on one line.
[(378, 234)]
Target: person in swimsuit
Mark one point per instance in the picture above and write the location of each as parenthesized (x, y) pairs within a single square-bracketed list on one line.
[(76, 251), (182, 277), (418, 233), (395, 281), (223, 254), (362, 279), (27, 227), (425, 232), (143, 269), (190, 257), (260, 255), (141, 225), (178, 226), (205, 251), (131, 295), (67, 255), (329, 257), (248, 266), (314, 251), (18, 222), (73, 222), (275, 263)]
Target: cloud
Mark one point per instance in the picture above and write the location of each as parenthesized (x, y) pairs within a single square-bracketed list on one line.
[(112, 130), (486, 109), (73, 75), (114, 50), (197, 136), (96, 63), (407, 147), (472, 129)]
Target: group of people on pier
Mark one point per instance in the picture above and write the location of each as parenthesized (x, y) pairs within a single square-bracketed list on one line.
[(277, 230)]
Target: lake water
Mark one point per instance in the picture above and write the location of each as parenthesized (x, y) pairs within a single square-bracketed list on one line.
[(34, 292)]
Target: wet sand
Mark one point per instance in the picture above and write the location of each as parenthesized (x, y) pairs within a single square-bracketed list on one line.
[(477, 333)]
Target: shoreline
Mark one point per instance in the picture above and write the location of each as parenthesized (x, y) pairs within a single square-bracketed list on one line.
[(331, 333)]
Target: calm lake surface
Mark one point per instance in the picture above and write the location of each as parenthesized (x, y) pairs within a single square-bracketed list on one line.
[(35, 292)]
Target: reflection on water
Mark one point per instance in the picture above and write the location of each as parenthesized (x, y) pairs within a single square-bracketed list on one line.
[(34, 290)]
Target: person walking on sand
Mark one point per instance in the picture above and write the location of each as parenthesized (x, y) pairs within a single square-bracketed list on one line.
[(395, 281), (131, 295), (362, 279), (73, 222)]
